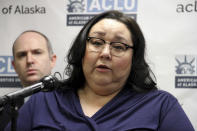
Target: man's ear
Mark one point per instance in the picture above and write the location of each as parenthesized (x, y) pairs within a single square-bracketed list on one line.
[(13, 64), (53, 60)]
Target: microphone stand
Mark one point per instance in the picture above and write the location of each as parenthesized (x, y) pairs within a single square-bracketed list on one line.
[(14, 114), (13, 97), (48, 83)]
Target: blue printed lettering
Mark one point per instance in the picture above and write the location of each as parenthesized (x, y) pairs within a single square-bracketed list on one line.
[(103, 5), (2, 64), (6, 65)]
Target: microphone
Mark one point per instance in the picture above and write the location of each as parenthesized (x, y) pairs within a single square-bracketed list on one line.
[(47, 83)]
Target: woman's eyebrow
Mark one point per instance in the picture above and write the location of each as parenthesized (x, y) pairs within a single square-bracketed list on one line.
[(99, 33)]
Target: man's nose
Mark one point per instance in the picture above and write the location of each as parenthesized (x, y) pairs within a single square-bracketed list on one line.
[(30, 58)]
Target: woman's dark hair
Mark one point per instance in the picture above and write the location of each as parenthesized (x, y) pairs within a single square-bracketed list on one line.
[(140, 78)]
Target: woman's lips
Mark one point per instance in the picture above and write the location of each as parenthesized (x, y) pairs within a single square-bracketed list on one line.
[(103, 68)]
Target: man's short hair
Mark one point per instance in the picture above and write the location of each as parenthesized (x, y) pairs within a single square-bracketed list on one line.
[(49, 45)]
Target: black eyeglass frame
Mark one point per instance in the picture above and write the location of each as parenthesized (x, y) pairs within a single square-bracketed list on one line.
[(127, 46)]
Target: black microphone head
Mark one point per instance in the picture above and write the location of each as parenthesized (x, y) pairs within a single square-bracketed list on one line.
[(50, 83)]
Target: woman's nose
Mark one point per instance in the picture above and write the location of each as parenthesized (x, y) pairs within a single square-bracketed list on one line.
[(106, 51)]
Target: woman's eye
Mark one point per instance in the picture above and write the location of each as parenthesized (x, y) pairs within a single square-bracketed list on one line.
[(118, 47), (97, 42)]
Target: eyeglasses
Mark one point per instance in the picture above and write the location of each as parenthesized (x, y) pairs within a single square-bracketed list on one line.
[(116, 48)]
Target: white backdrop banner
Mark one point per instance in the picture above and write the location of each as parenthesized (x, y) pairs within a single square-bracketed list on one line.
[(169, 28)]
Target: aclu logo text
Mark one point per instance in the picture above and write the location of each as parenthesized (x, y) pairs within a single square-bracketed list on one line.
[(6, 65), (81, 11), (103, 5)]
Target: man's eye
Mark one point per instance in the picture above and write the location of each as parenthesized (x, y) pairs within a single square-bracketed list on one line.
[(20, 55), (37, 52)]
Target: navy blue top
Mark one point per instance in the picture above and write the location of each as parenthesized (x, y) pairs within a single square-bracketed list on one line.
[(128, 111)]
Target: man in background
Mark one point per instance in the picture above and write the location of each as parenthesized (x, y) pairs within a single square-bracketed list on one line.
[(33, 58)]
